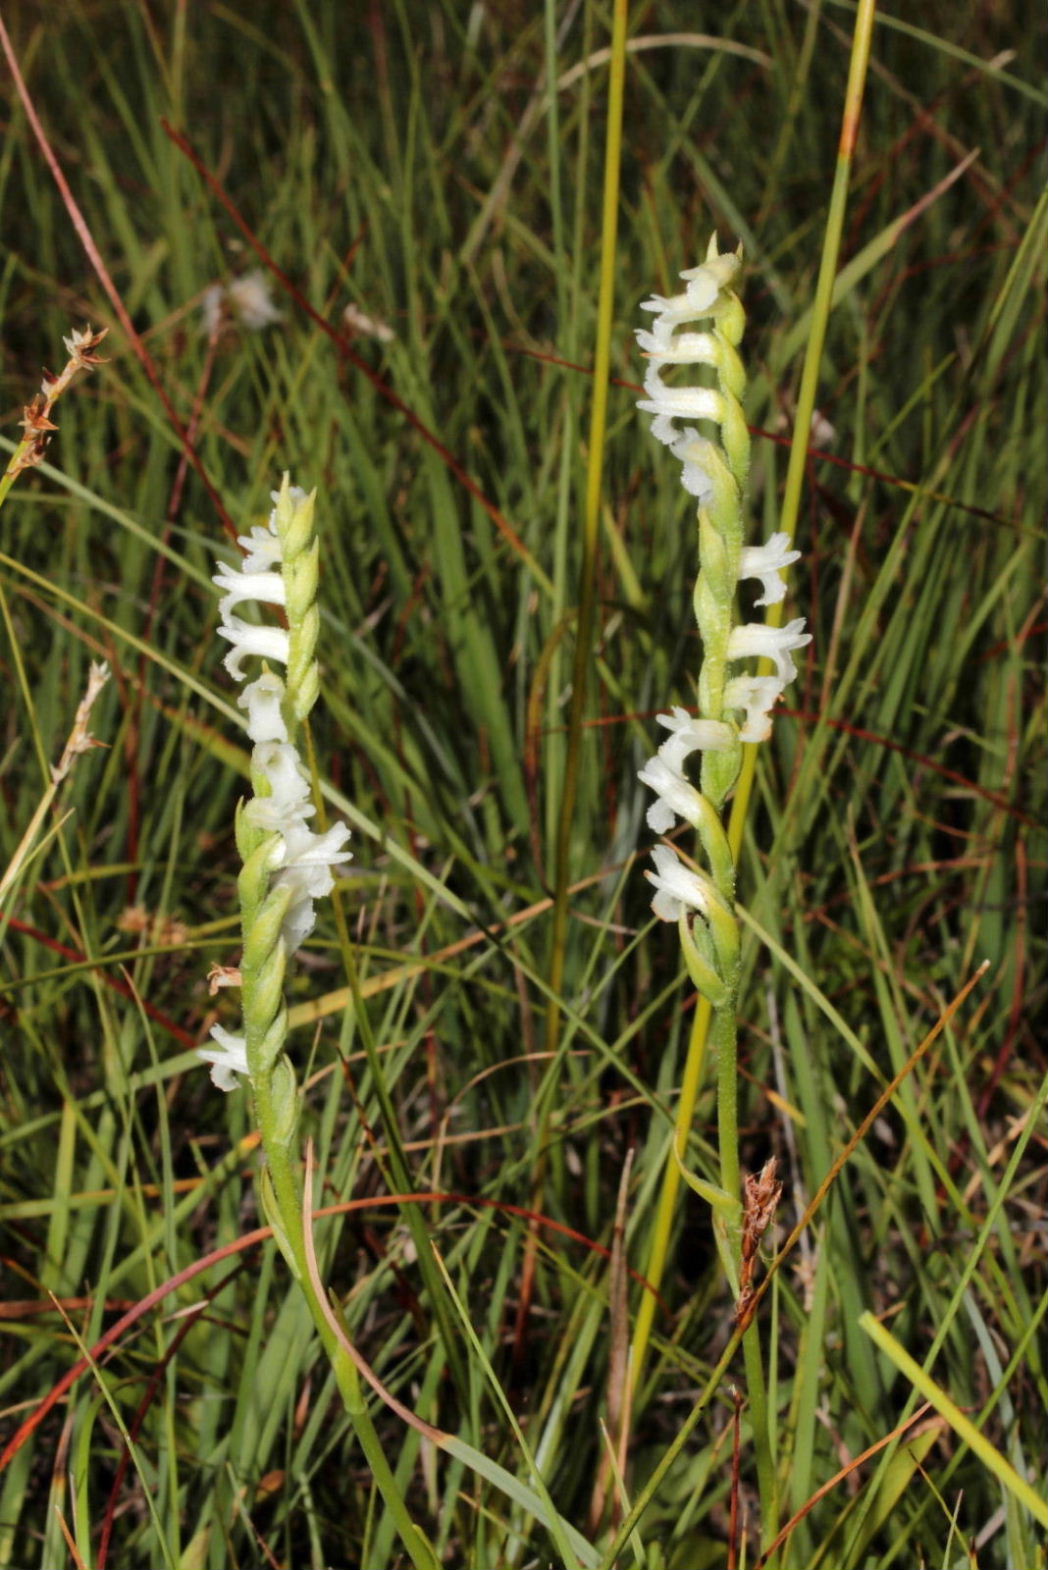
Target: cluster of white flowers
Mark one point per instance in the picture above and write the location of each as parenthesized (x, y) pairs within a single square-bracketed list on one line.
[(706, 291), (748, 699), (299, 860)]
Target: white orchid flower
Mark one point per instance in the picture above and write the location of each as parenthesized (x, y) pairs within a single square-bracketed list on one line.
[(767, 562), (306, 870), (269, 643), (288, 801), (676, 403), (771, 643), (677, 888), (229, 1061), (689, 735), (676, 797), (239, 585), (262, 699), (758, 695)]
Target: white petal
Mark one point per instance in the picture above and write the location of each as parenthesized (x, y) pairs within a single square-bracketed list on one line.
[(269, 643), (772, 643), (692, 450), (237, 584), (662, 427), (683, 403), (262, 549), (766, 562), (288, 802), (677, 888), (677, 798), (667, 306), (689, 735), (758, 695), (717, 272), (679, 348), (229, 1061), (307, 872), (311, 856), (660, 816), (262, 699), (702, 291)]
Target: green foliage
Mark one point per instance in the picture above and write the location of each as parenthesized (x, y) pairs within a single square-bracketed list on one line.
[(412, 161)]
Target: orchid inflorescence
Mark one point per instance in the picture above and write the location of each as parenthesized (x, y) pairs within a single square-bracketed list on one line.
[(733, 708), (287, 866)]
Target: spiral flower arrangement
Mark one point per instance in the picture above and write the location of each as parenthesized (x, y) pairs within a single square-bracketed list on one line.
[(286, 866), (703, 327), (733, 708)]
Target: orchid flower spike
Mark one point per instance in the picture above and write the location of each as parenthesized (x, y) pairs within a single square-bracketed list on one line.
[(707, 297), (283, 856)]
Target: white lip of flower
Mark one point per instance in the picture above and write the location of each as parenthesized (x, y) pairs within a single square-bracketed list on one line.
[(269, 643), (262, 699), (676, 797), (690, 451), (676, 403), (690, 735), (677, 888), (758, 695), (229, 1061), (306, 869), (767, 562), (772, 643), (702, 286), (288, 801), (262, 548), (677, 348), (241, 583)]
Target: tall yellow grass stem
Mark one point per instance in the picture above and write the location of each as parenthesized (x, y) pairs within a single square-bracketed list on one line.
[(586, 614), (591, 520)]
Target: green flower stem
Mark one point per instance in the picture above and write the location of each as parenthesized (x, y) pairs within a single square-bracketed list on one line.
[(712, 943), (283, 1204), (276, 1105), (724, 1036), (284, 866)]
